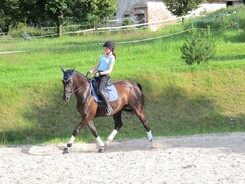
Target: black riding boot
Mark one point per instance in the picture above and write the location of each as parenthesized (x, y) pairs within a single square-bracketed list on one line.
[(104, 95)]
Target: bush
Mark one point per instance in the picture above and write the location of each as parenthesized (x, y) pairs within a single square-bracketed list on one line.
[(199, 48), (127, 22), (21, 29)]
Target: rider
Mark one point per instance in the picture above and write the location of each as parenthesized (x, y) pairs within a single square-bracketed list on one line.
[(105, 67)]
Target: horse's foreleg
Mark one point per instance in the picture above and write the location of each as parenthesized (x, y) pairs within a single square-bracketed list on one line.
[(74, 134), (98, 139), (118, 124)]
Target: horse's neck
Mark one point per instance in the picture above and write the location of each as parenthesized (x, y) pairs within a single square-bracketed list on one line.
[(82, 86), (80, 78)]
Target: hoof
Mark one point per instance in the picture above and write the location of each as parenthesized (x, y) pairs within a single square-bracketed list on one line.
[(151, 145), (101, 149), (107, 143), (66, 150)]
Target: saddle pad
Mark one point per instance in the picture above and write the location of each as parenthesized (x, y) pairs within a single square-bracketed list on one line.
[(111, 90)]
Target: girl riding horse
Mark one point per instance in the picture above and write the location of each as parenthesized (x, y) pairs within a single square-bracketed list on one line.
[(103, 70)]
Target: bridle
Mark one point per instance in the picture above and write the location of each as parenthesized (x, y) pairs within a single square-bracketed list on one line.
[(73, 91)]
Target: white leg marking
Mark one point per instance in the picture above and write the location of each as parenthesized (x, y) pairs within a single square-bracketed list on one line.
[(72, 139), (99, 141), (112, 135), (150, 137)]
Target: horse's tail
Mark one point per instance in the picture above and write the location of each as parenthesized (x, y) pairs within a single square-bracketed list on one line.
[(142, 94)]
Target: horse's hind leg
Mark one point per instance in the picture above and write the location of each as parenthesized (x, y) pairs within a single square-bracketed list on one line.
[(146, 125), (139, 111), (118, 124)]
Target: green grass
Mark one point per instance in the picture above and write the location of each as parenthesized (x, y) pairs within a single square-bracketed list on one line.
[(180, 99)]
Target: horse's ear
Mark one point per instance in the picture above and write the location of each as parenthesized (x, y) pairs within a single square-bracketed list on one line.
[(62, 68), (73, 69)]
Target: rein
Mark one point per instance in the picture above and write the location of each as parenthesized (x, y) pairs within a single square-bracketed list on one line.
[(80, 87), (75, 90)]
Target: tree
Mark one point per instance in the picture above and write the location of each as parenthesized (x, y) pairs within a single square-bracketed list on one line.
[(91, 10), (198, 48), (9, 13), (56, 12), (13, 12), (181, 7)]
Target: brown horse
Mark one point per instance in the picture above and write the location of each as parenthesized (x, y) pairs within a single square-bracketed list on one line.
[(130, 96)]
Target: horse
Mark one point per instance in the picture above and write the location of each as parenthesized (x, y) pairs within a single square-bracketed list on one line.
[(130, 98)]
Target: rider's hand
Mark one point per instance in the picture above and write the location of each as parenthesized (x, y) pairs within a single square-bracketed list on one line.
[(97, 74), (89, 73)]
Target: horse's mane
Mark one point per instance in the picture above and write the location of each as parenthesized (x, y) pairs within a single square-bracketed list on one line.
[(80, 74)]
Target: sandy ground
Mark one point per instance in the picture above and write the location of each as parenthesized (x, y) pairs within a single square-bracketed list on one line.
[(213, 158)]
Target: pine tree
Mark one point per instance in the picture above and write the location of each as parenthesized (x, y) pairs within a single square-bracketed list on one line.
[(198, 48)]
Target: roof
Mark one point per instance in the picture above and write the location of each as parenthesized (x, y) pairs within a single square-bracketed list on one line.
[(126, 12), (140, 5)]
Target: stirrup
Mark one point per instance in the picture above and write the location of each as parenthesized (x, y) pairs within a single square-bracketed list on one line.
[(109, 111)]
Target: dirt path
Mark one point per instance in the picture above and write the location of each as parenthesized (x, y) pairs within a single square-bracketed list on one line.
[(213, 158)]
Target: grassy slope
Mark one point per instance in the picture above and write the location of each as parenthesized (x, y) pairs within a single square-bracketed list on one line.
[(181, 99)]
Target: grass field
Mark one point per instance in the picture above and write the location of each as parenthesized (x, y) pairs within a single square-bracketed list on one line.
[(180, 99)]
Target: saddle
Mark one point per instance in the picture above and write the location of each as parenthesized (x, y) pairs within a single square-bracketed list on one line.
[(112, 91)]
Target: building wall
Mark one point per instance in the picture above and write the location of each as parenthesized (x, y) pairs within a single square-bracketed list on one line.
[(153, 10), (208, 7), (214, 5), (127, 6), (157, 11), (237, 4), (215, 1)]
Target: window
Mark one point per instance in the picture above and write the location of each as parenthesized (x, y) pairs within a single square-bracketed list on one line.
[(229, 3)]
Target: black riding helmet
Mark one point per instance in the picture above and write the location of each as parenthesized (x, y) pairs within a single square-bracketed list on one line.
[(109, 44)]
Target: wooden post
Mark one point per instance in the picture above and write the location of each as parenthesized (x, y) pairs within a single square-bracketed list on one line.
[(60, 30)]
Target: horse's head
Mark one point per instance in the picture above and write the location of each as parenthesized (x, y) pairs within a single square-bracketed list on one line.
[(68, 82)]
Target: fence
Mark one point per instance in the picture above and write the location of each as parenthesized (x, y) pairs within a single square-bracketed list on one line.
[(51, 31), (113, 28)]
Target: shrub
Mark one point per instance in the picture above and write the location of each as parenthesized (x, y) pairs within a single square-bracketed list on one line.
[(21, 29), (199, 48), (127, 22)]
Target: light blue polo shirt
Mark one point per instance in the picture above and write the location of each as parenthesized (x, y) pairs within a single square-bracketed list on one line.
[(105, 62)]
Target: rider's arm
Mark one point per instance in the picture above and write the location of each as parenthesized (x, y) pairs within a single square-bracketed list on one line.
[(95, 68)]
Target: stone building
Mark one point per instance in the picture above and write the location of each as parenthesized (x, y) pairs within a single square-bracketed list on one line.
[(227, 3), (213, 5), (152, 11), (143, 11)]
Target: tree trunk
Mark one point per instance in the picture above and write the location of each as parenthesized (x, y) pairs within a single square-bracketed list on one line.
[(59, 25)]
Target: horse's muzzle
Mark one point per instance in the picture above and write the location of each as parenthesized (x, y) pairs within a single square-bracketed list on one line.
[(66, 97)]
